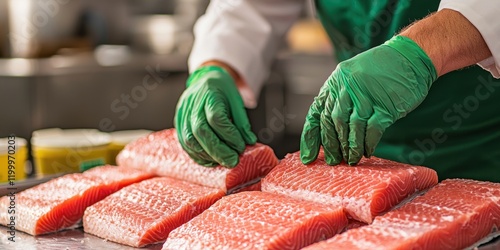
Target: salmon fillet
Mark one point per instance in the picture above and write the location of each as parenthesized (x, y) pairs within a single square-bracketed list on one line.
[(162, 154), (369, 189), (144, 213), (453, 215), (253, 187), (354, 224), (61, 202), (257, 220)]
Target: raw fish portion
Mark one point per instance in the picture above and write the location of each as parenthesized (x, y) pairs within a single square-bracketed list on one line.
[(354, 224), (366, 190), (144, 213), (257, 220), (253, 187), (453, 215), (162, 154), (61, 202)]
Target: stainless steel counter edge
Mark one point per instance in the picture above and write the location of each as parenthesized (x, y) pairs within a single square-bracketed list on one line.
[(88, 63)]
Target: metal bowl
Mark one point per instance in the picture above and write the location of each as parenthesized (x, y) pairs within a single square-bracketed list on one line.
[(38, 28), (162, 34), (3, 28)]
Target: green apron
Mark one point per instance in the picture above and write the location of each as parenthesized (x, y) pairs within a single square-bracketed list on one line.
[(456, 130)]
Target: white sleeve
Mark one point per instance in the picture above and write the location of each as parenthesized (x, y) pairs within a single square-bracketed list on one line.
[(485, 16), (246, 35)]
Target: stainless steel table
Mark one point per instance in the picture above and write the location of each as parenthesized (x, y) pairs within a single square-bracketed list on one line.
[(74, 239)]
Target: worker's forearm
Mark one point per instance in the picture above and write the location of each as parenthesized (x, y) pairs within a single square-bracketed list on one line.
[(449, 39), (237, 79)]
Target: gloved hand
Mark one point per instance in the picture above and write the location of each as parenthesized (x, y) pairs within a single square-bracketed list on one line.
[(211, 121), (364, 96)]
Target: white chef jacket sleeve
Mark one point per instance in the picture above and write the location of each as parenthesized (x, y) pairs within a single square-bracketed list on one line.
[(485, 16), (245, 34)]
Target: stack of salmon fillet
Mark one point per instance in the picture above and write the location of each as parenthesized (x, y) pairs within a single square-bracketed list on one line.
[(453, 214), (156, 188), (158, 194)]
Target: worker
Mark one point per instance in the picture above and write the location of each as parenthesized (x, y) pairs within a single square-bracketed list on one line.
[(407, 87)]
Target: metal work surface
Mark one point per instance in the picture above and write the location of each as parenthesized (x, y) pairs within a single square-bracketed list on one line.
[(74, 239)]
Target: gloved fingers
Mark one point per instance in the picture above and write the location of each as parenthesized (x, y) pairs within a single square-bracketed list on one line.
[(194, 149), (329, 138), (209, 141), (200, 156), (340, 116), (240, 118), (186, 138), (242, 123), (216, 110), (310, 139), (375, 128), (196, 152), (357, 130)]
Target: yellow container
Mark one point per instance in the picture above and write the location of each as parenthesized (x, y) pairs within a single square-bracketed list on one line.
[(68, 151), (13, 154), (120, 139)]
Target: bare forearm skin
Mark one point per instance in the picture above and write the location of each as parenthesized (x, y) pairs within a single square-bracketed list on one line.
[(236, 76), (449, 39)]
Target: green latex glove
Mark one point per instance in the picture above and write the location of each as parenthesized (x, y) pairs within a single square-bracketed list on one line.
[(363, 96), (211, 120)]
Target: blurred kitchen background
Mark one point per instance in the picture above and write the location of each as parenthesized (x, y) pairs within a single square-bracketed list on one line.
[(121, 65)]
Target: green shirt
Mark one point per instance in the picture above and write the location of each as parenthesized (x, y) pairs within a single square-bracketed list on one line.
[(456, 130)]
